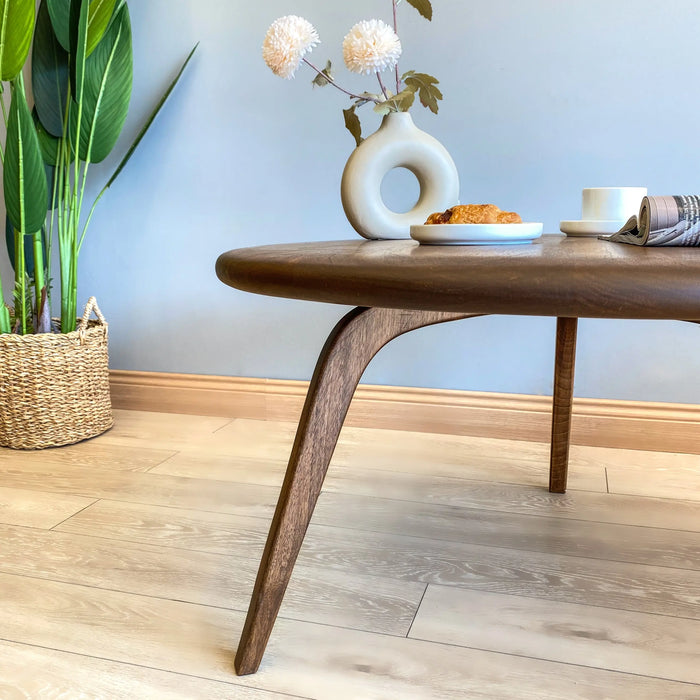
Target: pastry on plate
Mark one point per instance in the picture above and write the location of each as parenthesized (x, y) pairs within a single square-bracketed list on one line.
[(474, 214)]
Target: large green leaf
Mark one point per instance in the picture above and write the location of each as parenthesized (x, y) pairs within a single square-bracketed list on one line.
[(59, 11), (99, 14), (16, 27), (77, 51), (49, 146), (24, 179), (106, 91), (98, 19), (49, 73), (48, 143), (150, 119)]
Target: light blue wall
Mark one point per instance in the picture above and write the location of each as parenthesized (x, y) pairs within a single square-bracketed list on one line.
[(542, 98)]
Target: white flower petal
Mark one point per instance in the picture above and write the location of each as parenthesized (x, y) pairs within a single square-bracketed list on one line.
[(371, 46), (287, 41)]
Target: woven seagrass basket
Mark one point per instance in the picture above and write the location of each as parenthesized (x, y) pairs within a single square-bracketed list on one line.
[(54, 387)]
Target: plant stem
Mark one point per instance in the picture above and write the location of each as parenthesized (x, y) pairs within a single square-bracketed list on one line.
[(39, 281), (334, 84), (20, 272), (63, 212), (79, 241), (20, 283), (92, 211), (4, 313), (381, 85), (48, 231), (396, 31)]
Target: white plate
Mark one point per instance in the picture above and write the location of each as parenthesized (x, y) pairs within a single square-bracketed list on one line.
[(475, 234), (590, 228)]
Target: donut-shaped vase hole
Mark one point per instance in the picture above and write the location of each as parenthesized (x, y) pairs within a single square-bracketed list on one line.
[(400, 190)]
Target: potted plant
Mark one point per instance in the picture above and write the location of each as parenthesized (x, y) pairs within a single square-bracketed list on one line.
[(53, 374)]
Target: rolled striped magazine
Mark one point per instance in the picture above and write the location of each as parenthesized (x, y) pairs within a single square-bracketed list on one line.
[(670, 221)]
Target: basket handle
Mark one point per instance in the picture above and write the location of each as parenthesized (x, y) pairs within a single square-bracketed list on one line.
[(89, 308)]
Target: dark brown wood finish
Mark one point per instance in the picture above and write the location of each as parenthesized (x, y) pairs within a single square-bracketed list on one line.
[(346, 354), (563, 398), (554, 276), (407, 286)]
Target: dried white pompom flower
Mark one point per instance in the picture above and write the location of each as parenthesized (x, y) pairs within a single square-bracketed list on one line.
[(286, 42), (371, 46)]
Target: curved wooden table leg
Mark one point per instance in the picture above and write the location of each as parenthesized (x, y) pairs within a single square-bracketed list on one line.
[(564, 363), (347, 352)]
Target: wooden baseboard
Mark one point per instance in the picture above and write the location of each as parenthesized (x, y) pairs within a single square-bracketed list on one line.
[(603, 423)]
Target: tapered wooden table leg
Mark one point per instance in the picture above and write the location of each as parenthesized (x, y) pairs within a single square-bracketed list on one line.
[(564, 363), (346, 354)]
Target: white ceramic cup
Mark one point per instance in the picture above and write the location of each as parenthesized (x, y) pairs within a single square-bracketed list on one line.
[(611, 203)]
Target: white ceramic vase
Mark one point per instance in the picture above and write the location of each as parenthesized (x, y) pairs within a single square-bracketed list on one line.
[(398, 143)]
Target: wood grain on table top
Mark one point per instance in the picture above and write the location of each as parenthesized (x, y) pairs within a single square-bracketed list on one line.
[(552, 276)]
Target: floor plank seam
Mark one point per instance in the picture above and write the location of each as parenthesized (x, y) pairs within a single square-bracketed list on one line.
[(231, 421), (175, 453), (89, 505), (415, 614)]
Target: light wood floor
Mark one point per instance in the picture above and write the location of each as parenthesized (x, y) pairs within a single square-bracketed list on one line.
[(435, 567)]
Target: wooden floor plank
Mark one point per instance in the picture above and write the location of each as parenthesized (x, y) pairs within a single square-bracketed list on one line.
[(461, 491), (35, 672), (314, 661), (666, 482), (38, 509), (402, 451), (515, 498), (317, 593), (91, 454), (594, 540), (143, 487), (160, 430), (616, 640), (593, 457), (567, 578)]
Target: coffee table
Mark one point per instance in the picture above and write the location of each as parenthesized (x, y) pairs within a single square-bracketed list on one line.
[(398, 286)]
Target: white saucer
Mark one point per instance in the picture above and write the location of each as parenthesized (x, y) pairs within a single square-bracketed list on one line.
[(591, 228), (475, 234)]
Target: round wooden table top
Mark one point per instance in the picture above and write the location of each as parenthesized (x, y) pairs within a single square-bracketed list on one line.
[(553, 276)]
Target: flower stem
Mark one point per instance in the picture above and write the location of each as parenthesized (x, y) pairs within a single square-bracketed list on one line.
[(381, 85), (396, 31), (334, 84)]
